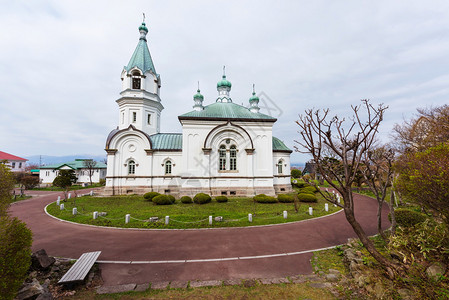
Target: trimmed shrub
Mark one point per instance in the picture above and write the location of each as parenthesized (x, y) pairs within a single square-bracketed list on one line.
[(308, 189), (296, 173), (262, 198), (15, 255), (307, 197), (283, 198), (162, 200), (221, 199), (149, 196), (186, 200), (202, 198), (408, 218), (299, 184), (172, 198)]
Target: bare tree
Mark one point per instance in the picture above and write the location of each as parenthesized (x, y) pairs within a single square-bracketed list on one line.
[(348, 143), (377, 169), (90, 165)]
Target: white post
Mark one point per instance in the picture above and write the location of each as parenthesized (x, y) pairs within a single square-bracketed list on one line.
[(91, 193), (327, 190), (59, 198), (250, 218), (338, 198), (167, 220), (210, 220), (58, 202), (326, 207), (61, 206), (74, 211), (310, 211), (127, 217), (285, 214), (70, 195), (95, 215)]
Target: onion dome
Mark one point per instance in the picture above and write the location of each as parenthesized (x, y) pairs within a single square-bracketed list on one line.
[(254, 102), (143, 27), (198, 99), (224, 82)]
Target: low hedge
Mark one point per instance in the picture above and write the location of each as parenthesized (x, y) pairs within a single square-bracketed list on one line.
[(186, 200), (307, 197), (202, 198), (149, 196), (221, 199), (283, 198), (308, 189), (163, 200), (262, 198), (408, 218)]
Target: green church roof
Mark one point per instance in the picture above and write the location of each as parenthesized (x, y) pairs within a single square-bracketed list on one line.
[(75, 165), (226, 111), (166, 141), (224, 82), (141, 58), (279, 145)]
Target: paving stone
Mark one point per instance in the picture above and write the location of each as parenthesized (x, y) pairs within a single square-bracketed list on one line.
[(279, 280), (320, 285), (159, 285), (298, 279), (312, 277), (142, 287), (232, 282), (203, 283), (116, 288), (249, 283), (178, 284)]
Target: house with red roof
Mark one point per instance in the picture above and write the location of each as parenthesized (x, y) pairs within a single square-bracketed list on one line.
[(15, 163)]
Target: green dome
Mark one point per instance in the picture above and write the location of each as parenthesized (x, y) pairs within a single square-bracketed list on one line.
[(224, 82), (254, 98), (143, 27), (198, 95)]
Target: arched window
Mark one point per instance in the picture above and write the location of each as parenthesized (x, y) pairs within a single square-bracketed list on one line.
[(222, 158), (131, 167), (280, 166), (136, 80), (168, 167), (233, 158)]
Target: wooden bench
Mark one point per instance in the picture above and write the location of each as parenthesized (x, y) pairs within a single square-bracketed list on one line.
[(80, 268)]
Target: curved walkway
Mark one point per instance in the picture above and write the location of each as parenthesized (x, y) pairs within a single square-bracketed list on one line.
[(220, 254)]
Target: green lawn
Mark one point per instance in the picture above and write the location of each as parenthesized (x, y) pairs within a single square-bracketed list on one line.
[(73, 187), (19, 198), (235, 212)]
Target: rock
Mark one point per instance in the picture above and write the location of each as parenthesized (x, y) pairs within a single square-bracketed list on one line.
[(218, 219), (333, 271), (142, 287), (298, 279), (232, 282), (33, 274), (179, 284), (41, 261), (435, 270), (203, 283), (154, 219), (45, 296), (379, 291), (55, 269), (102, 214), (332, 277), (320, 285), (30, 290), (312, 277), (249, 283), (405, 293), (159, 285), (116, 288)]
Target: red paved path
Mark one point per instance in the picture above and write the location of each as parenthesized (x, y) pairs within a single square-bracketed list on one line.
[(71, 240)]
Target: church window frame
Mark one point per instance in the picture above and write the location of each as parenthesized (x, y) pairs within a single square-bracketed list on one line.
[(168, 167), (134, 117), (131, 167), (233, 158), (227, 157), (136, 83), (149, 119), (222, 162), (280, 166)]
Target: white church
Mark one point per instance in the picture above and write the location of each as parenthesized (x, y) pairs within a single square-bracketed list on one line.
[(224, 148)]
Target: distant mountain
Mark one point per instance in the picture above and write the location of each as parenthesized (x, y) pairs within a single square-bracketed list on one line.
[(299, 166), (46, 160)]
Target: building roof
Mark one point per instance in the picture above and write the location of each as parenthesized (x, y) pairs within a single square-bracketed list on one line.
[(141, 57), (226, 111), (279, 146), (7, 156), (75, 165), (166, 141)]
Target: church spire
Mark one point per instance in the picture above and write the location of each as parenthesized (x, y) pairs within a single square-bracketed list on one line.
[(223, 88), (198, 99), (254, 102), (141, 57)]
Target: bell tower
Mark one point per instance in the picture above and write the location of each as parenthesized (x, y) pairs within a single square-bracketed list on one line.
[(139, 102)]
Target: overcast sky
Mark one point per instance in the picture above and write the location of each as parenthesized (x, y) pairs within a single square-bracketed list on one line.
[(60, 62)]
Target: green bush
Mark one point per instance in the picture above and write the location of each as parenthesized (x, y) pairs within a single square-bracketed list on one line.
[(296, 173), (262, 198), (149, 196), (186, 200), (307, 197), (283, 198), (163, 200), (15, 255), (299, 184), (172, 198), (308, 189), (102, 182), (221, 199), (202, 198), (408, 218)]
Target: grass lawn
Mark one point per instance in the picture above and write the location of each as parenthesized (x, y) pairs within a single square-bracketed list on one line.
[(19, 198), (73, 187), (235, 212)]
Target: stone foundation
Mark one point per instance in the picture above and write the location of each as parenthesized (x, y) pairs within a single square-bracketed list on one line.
[(283, 188)]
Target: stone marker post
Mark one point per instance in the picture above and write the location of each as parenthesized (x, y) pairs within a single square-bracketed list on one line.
[(58, 202), (127, 217), (69, 195), (285, 214), (61, 206), (310, 210), (91, 193), (250, 218), (210, 220), (167, 220), (326, 207), (74, 211), (95, 215)]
